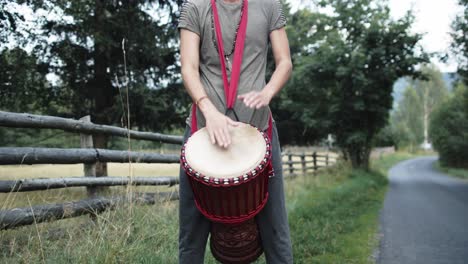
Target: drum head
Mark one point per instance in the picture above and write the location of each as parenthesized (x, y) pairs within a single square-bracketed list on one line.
[(247, 150)]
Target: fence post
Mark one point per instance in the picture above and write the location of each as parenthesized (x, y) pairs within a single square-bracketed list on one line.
[(303, 163), (326, 160), (89, 168), (314, 156), (291, 168)]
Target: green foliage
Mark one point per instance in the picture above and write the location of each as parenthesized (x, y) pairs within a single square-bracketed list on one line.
[(23, 86), (48, 138), (460, 40), (80, 42), (410, 121), (449, 130), (293, 120), (385, 138), (343, 76), (460, 173), (9, 19)]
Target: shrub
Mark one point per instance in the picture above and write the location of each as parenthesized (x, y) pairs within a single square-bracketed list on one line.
[(449, 130)]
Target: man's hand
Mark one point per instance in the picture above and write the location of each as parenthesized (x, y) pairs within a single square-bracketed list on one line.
[(218, 125), (256, 99)]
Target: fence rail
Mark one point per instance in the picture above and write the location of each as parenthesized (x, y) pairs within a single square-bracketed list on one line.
[(92, 206), (17, 156), (306, 165), (8, 119), (88, 156), (24, 185)]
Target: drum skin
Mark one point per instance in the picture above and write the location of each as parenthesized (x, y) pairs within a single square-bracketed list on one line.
[(231, 203)]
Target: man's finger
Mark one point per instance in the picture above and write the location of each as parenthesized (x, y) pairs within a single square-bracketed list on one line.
[(221, 135), (219, 140), (246, 96), (260, 104), (227, 136), (254, 103), (212, 137), (249, 100)]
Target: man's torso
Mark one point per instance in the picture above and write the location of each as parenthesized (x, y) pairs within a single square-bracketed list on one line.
[(254, 60)]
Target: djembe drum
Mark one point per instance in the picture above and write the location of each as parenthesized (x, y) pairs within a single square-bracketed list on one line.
[(230, 187)]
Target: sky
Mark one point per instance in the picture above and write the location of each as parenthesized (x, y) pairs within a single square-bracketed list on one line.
[(433, 17)]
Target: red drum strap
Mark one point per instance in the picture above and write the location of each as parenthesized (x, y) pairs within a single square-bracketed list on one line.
[(230, 86)]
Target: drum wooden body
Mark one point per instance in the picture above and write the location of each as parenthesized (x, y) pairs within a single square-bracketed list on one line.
[(230, 187)]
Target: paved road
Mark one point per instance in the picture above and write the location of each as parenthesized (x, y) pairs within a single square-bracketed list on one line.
[(425, 216)]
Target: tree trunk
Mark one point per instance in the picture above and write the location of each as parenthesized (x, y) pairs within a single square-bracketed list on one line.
[(359, 157), (426, 119), (103, 90)]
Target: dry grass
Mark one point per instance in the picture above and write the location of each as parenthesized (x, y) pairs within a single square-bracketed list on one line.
[(11, 172)]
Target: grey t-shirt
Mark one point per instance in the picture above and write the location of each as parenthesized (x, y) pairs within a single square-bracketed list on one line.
[(264, 16)]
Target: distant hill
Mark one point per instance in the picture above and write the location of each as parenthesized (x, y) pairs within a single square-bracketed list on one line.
[(400, 85)]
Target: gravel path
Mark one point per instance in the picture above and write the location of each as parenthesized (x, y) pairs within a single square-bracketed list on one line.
[(425, 216)]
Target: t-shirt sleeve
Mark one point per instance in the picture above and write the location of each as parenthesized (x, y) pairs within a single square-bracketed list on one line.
[(277, 18), (188, 18)]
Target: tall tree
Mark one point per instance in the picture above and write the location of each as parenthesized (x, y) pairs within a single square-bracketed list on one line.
[(23, 86), (81, 44), (344, 82), (460, 40), (411, 118), (9, 19), (407, 121), (293, 119), (432, 91)]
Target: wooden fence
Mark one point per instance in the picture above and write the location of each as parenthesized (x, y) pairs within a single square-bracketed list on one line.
[(293, 164)]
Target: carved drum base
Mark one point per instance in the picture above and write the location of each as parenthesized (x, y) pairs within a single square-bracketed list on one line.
[(236, 243)]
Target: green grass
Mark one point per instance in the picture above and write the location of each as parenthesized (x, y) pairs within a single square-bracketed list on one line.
[(456, 172), (337, 223), (333, 218), (386, 162)]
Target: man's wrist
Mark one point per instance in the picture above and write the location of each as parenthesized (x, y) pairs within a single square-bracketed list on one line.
[(206, 107), (197, 102), (269, 92)]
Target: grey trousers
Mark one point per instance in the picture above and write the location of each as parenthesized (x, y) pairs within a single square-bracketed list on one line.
[(272, 220)]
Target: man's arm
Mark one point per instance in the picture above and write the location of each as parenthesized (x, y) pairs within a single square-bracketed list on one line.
[(280, 48), (216, 123)]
